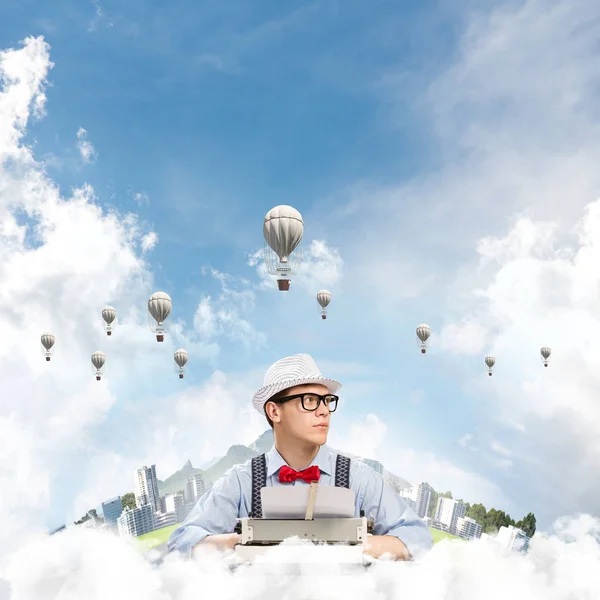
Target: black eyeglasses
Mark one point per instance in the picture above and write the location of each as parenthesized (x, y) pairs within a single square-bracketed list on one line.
[(311, 402)]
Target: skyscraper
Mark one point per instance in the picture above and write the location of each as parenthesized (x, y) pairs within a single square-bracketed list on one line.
[(112, 509), (419, 497), (449, 511), (513, 538), (147, 488), (199, 485)]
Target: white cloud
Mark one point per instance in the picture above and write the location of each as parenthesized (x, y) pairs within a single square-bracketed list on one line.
[(561, 565), (321, 267), (497, 447), (149, 241), (224, 315), (85, 147), (61, 260), (522, 143), (140, 198), (371, 438), (362, 439), (203, 421), (465, 439), (521, 148), (528, 295)]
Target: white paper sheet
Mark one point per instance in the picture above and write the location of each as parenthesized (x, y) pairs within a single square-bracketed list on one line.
[(290, 502)]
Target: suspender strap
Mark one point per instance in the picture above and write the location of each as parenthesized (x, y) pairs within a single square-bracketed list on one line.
[(342, 471), (259, 481)]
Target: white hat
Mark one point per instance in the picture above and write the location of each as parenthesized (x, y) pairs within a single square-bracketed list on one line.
[(288, 372)]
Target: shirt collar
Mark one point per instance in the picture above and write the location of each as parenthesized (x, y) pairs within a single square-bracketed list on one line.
[(323, 460)]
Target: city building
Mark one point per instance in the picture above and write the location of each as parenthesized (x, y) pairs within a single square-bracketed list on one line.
[(146, 490), (112, 509), (374, 464), (165, 520), (448, 511), (189, 491), (137, 521), (468, 528), (513, 538), (418, 498), (199, 485), (57, 529), (174, 503)]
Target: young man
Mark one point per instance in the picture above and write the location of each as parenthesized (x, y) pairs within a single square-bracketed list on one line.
[(297, 402)]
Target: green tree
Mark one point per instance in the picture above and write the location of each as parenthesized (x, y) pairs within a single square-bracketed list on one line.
[(478, 513), (527, 524), (128, 500)]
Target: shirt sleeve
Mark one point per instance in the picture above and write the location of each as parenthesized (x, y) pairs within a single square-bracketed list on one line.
[(391, 514), (215, 512)]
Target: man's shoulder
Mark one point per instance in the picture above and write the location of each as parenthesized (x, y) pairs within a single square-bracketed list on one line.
[(239, 471)]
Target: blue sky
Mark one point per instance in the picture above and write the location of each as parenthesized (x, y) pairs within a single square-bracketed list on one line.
[(405, 134)]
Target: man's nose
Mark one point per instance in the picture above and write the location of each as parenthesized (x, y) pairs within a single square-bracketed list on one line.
[(322, 410)]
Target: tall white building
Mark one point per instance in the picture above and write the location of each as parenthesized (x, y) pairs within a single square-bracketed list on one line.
[(468, 528), (418, 498), (174, 503), (449, 511), (199, 485), (513, 538), (189, 491), (146, 488), (136, 522)]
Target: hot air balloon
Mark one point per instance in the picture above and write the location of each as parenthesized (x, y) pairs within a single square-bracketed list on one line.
[(159, 308), (490, 361), (423, 333), (181, 358), (283, 229), (98, 360), (109, 314), (545, 352), (47, 340), (324, 298)]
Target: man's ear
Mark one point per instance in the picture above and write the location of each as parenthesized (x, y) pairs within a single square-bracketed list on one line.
[(273, 411)]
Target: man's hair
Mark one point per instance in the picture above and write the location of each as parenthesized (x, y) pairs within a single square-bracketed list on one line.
[(274, 398)]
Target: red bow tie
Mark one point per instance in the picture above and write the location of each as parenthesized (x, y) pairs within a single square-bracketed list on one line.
[(287, 474)]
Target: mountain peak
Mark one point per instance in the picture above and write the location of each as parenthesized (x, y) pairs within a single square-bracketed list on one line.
[(187, 466), (264, 442), (236, 449)]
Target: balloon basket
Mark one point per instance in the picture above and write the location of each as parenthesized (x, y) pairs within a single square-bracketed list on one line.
[(109, 333), (47, 358), (545, 364), (490, 374), (180, 375), (423, 350), (323, 316), (98, 378), (160, 338), (283, 284)]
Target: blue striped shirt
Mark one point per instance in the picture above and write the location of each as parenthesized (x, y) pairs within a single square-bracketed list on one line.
[(230, 498)]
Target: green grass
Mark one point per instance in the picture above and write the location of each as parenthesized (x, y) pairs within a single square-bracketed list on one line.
[(438, 535), (155, 538)]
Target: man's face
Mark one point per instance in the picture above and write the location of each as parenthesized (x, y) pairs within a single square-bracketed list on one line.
[(295, 422)]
